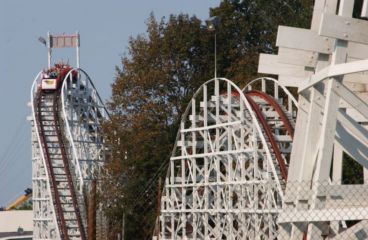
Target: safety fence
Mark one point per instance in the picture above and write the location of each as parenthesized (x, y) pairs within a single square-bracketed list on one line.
[(306, 210)]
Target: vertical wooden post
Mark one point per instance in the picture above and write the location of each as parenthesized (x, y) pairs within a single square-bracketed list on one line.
[(158, 206), (123, 228), (364, 12), (92, 212)]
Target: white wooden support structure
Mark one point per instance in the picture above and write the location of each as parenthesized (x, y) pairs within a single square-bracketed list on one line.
[(328, 64), (224, 181), (80, 113)]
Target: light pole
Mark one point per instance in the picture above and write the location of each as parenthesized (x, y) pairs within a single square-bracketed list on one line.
[(44, 42), (212, 25)]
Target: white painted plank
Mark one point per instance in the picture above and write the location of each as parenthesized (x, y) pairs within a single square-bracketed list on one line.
[(354, 114), (337, 164), (354, 85), (308, 41), (300, 130), (352, 146), (357, 79), (291, 81), (324, 158), (297, 57), (309, 59), (321, 6), (270, 64), (348, 68), (303, 39), (313, 134), (364, 12), (330, 6), (345, 28), (354, 230), (318, 10), (346, 8), (344, 191), (353, 127), (325, 147), (357, 50), (324, 215), (340, 53), (353, 100), (337, 70), (340, 194)]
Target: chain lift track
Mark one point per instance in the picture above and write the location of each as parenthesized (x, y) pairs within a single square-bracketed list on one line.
[(67, 151), (63, 193), (228, 169)]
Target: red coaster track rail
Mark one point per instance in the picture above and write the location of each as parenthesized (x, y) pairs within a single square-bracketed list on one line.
[(64, 197), (250, 95)]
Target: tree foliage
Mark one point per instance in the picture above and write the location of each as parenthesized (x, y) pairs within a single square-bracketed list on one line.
[(249, 28), (156, 79)]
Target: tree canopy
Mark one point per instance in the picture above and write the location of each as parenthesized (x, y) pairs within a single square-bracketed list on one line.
[(156, 79)]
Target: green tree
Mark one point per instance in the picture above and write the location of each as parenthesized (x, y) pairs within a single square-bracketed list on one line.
[(157, 77), (248, 28)]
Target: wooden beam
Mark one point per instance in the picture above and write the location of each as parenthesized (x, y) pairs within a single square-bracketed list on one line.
[(353, 100), (336, 70), (321, 6), (270, 64), (300, 131), (352, 146), (337, 164), (348, 68), (91, 214), (346, 8), (297, 57), (344, 28), (364, 12), (358, 78), (352, 126), (357, 50), (306, 44), (318, 10), (324, 215), (303, 39), (354, 230), (356, 115), (309, 41), (291, 81), (331, 6)]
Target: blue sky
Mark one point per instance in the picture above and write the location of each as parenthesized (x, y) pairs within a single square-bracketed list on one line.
[(105, 28)]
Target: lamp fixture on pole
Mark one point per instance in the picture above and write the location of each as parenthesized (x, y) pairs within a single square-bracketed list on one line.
[(212, 25)]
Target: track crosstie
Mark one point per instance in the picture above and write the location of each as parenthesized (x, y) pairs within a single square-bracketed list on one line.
[(64, 198)]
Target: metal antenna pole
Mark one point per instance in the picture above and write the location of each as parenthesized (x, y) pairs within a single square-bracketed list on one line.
[(77, 49), (212, 23), (48, 49), (215, 55)]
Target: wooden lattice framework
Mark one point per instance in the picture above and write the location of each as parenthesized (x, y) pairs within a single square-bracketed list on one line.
[(328, 66)]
